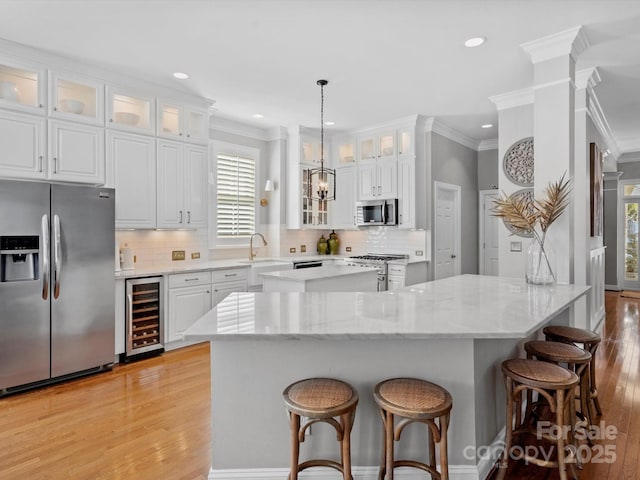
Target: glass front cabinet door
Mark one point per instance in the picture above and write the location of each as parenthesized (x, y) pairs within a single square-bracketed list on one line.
[(180, 122), (22, 88), (75, 98), (130, 111)]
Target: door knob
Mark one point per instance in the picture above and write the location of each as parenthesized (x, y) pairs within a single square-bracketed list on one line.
[(453, 256)]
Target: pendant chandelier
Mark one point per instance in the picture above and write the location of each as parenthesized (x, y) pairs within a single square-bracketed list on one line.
[(322, 181)]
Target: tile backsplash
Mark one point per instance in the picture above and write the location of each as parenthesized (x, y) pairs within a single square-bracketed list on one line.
[(152, 248)]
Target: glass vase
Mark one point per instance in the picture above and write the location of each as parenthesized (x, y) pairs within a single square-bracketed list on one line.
[(541, 263)]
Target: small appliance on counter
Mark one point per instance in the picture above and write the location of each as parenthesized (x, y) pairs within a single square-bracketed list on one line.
[(126, 258)]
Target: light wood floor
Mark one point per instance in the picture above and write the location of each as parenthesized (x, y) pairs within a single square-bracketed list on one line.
[(151, 419), (144, 420)]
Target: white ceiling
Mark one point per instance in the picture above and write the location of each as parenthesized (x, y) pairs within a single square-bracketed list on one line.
[(384, 59)]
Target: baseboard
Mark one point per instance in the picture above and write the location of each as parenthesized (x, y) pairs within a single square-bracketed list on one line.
[(615, 288), (456, 472)]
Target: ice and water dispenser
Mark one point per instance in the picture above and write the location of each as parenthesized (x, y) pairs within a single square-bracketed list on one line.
[(19, 258)]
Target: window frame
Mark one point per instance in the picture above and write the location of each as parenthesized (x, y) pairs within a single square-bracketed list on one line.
[(229, 148)]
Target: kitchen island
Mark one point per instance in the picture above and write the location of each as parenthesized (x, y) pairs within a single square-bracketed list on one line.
[(454, 332), (330, 278)]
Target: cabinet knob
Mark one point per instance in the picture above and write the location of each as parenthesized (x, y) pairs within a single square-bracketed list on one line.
[(180, 134), (40, 105), (55, 109), (188, 135), (111, 120)]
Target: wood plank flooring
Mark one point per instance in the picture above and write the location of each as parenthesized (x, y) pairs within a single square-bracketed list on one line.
[(143, 420), (151, 419)]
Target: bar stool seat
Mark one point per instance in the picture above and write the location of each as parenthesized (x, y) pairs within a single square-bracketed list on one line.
[(321, 400), (413, 400), (590, 341), (576, 359), (553, 383)]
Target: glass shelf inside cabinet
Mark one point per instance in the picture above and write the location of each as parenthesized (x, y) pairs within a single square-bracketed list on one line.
[(76, 98), (131, 111), (170, 120), (345, 153), (19, 86), (387, 145), (197, 125)]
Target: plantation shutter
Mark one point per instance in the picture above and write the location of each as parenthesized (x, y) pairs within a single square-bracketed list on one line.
[(236, 197)]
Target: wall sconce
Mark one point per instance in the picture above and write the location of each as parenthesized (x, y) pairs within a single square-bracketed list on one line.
[(268, 187)]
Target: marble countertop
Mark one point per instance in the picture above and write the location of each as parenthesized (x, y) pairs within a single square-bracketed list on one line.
[(466, 306), (190, 267), (310, 274)]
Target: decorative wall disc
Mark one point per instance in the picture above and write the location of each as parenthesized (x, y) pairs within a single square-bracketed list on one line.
[(525, 193), (518, 162)]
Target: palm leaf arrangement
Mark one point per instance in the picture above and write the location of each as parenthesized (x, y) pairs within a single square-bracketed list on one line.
[(536, 216)]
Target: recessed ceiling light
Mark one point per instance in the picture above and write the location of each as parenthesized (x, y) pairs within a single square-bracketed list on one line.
[(257, 115), (474, 42), (180, 75), (487, 125), (329, 123)]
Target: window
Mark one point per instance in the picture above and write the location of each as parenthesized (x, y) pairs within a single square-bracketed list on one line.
[(235, 194)]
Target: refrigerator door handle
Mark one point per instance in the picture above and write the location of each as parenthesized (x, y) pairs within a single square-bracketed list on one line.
[(57, 256), (44, 226)]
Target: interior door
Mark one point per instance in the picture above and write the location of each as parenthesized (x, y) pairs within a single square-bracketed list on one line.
[(489, 242), (447, 230)]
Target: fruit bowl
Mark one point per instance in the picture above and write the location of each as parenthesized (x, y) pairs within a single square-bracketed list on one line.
[(72, 106), (127, 118)]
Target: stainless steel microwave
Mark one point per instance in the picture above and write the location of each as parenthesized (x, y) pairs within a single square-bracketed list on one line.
[(377, 212)]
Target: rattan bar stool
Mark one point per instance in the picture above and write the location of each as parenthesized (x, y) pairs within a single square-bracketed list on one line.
[(320, 400), (556, 385), (413, 400), (589, 341), (576, 359)]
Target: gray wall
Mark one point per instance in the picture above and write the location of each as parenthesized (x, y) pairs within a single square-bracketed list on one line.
[(488, 165), (630, 170), (610, 232), (454, 163)]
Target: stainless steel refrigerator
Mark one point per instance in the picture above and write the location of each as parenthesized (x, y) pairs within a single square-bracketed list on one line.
[(56, 282)]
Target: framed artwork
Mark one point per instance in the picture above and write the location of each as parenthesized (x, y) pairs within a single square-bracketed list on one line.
[(596, 189)]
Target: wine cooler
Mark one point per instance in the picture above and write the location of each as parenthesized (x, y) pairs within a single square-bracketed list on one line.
[(144, 316)]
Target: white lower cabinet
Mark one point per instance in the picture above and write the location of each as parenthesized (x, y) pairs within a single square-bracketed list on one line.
[(191, 295), (189, 299), (399, 276), (396, 276)]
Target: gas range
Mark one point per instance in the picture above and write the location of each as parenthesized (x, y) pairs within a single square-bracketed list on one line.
[(378, 260)]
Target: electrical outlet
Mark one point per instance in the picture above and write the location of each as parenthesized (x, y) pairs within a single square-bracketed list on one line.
[(292, 250), (303, 248), (348, 249), (419, 253), (177, 255), (195, 255)]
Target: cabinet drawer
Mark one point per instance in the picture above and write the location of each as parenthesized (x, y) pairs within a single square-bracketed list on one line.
[(228, 275), (189, 279), (398, 270)]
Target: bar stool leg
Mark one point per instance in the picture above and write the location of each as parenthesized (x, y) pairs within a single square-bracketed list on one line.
[(560, 413), (347, 423), (593, 391), (432, 448), (508, 438), (383, 460), (444, 454), (389, 430), (294, 421)]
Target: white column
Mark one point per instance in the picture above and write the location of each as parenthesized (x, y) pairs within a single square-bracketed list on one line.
[(554, 60)]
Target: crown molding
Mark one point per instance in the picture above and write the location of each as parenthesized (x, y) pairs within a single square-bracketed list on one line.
[(602, 125), (588, 78), (513, 99), (629, 157), (568, 42), (491, 144), (227, 125), (452, 134)]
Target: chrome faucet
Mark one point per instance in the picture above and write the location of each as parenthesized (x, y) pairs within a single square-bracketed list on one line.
[(252, 255)]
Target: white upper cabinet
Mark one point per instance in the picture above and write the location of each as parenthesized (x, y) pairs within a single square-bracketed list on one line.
[(343, 209), (406, 141), (130, 111), (344, 151), (378, 179), (22, 145), (76, 98), (133, 159), (76, 153), (376, 145), (406, 192), (182, 185), (181, 122), (22, 87)]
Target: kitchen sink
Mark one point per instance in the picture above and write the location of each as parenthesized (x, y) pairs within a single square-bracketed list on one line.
[(263, 265)]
